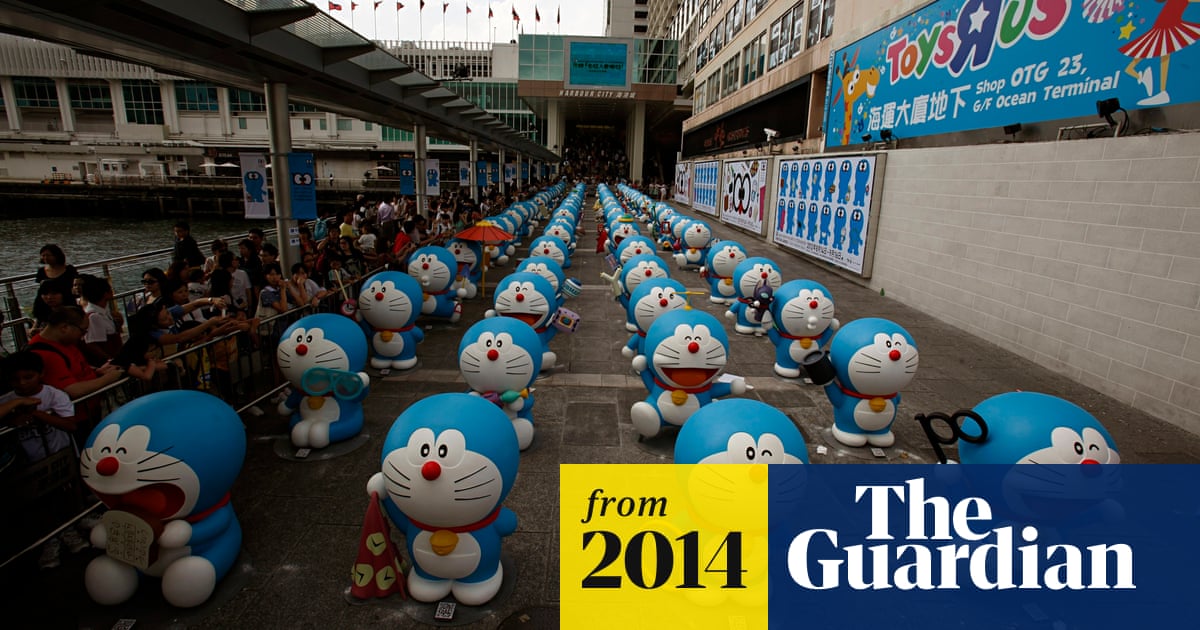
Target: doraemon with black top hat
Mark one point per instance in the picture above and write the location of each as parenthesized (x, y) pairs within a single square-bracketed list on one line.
[(388, 306), (694, 245), (529, 298), (802, 322), (469, 255), (552, 248), (435, 269), (651, 299), (685, 352), (638, 270), (323, 356), (751, 317), (448, 463), (740, 431), (719, 265), (873, 359), (500, 359), (164, 465)]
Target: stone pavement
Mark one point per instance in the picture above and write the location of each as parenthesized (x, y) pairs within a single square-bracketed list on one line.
[(302, 519)]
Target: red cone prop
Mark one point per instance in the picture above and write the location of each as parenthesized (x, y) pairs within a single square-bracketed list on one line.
[(376, 571)]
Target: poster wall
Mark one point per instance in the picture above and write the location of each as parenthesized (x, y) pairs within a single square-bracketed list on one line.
[(683, 182), (705, 181), (825, 206), (745, 198)]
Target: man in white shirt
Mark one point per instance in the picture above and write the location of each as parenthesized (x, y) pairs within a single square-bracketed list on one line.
[(103, 338)]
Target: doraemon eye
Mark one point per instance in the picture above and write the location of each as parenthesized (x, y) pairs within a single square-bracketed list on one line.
[(1067, 445), (451, 446), (1095, 447), (770, 449), (740, 448), (420, 446)]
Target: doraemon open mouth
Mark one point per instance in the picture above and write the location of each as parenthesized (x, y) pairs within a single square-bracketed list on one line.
[(161, 500), (617, 238), (529, 318), (689, 377)]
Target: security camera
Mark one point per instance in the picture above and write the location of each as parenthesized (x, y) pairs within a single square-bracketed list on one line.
[(771, 133)]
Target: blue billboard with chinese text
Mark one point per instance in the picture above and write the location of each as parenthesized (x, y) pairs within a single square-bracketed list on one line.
[(598, 63), (957, 65)]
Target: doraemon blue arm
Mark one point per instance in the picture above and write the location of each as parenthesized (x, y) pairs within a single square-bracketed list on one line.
[(802, 322), (388, 305), (166, 477), (441, 450), (322, 356)]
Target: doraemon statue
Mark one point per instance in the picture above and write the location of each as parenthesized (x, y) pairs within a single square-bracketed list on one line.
[(802, 322), (550, 271), (552, 248), (1033, 428), (164, 464), (500, 359), (528, 297), (723, 258), (651, 299), (634, 246), (448, 463), (638, 270), (751, 318), (388, 305), (685, 352), (435, 268), (323, 356), (872, 359), (624, 227), (694, 245), (740, 431), (469, 255)]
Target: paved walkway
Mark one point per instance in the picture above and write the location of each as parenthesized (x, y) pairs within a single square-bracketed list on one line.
[(302, 519)]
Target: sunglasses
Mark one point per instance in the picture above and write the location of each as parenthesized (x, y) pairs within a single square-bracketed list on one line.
[(318, 381)]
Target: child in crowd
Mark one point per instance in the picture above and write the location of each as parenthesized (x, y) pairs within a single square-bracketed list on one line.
[(44, 419), (273, 299), (103, 339)]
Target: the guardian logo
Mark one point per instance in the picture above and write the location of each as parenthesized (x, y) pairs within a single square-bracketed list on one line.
[(977, 555)]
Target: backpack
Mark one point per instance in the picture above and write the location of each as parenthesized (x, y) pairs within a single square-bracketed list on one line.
[(320, 230)]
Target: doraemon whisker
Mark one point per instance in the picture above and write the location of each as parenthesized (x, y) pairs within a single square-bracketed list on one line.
[(399, 472), (283, 352), (478, 485), (400, 496), (157, 480), (471, 498), (156, 454), (479, 470), (397, 483), (143, 470), (330, 351)]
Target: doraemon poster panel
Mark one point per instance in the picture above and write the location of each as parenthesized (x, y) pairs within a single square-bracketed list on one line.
[(705, 176), (745, 194), (683, 182), (824, 206)]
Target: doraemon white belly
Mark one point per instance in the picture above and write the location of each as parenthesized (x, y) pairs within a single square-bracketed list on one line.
[(390, 348), (459, 563), (327, 412), (430, 304), (677, 414), (726, 289), (797, 351), (869, 420), (694, 256)]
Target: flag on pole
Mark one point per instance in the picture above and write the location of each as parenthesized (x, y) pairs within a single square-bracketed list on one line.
[(399, 5), (558, 20), (422, 7), (537, 17), (516, 18), (377, 3), (490, 14), (333, 6), (468, 9), (353, 6), (445, 5)]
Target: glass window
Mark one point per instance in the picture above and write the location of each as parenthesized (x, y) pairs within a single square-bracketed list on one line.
[(797, 28), (35, 92), (143, 102), (196, 96), (367, 126), (306, 124), (300, 107), (90, 96), (730, 73), (322, 125), (241, 123), (345, 124), (247, 101), (828, 30)]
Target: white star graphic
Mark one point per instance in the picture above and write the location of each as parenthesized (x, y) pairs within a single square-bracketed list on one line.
[(977, 17)]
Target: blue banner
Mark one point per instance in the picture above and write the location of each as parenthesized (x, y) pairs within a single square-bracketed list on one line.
[(983, 546), (598, 64), (303, 186), (957, 65), (525, 171), (481, 173), (494, 172), (408, 176)]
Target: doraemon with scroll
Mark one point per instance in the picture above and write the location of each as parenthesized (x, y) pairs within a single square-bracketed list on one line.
[(469, 255), (750, 317), (322, 356), (719, 266), (500, 358), (528, 297), (638, 270), (448, 463), (435, 269), (552, 248), (694, 244), (647, 302), (802, 322), (164, 464), (740, 431), (872, 359), (388, 306), (685, 353)]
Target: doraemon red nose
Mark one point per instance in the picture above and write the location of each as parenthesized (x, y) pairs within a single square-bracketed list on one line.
[(108, 466), (378, 297), (813, 304), (693, 347), (431, 471), (424, 265), (546, 251), (764, 275), (649, 273), (894, 355), (520, 297), (301, 349), (492, 355), (663, 302)]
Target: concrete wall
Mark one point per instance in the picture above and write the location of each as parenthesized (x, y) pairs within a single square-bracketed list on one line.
[(1082, 255)]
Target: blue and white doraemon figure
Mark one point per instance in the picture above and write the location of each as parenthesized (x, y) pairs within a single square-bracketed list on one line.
[(388, 305), (719, 266), (552, 248), (1033, 428), (750, 314), (650, 300), (448, 463), (164, 465), (550, 271), (638, 270), (635, 245), (685, 352), (872, 359), (500, 359), (802, 322), (323, 356), (695, 243), (740, 431), (529, 298), (469, 255), (435, 268)]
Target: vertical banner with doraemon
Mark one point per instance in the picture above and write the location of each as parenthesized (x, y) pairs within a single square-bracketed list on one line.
[(433, 177), (408, 176), (745, 194), (683, 182), (254, 185), (705, 183), (464, 173), (825, 207)]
